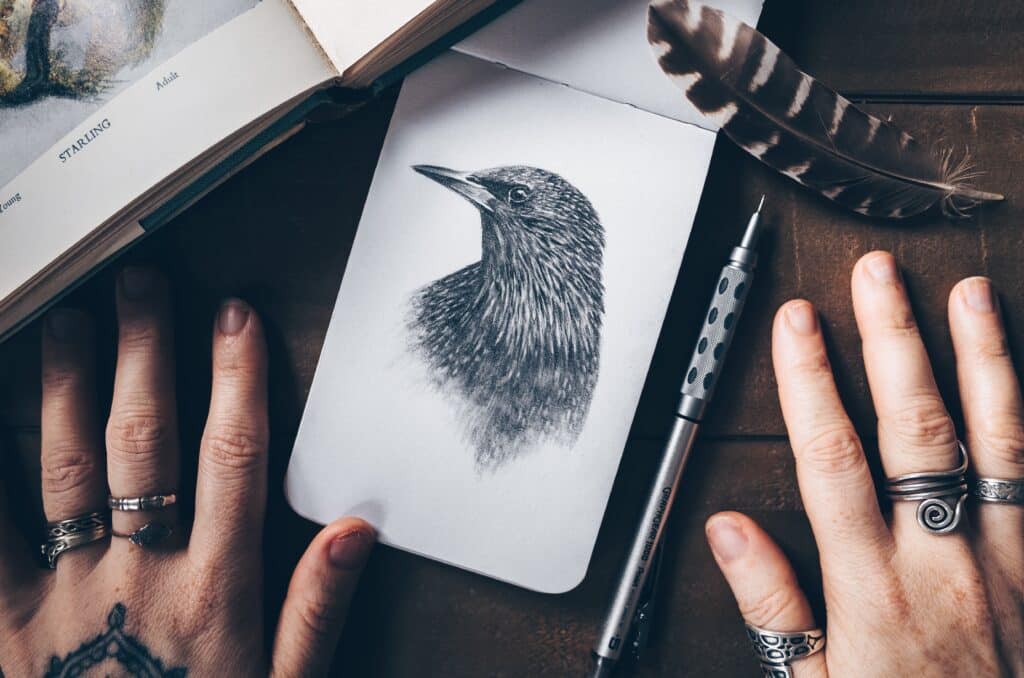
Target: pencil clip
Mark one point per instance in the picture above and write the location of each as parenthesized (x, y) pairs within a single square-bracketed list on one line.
[(643, 620)]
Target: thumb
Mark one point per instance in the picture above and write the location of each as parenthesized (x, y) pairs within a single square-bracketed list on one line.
[(314, 610), (766, 589)]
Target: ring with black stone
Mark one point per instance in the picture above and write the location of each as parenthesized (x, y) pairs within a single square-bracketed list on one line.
[(149, 535)]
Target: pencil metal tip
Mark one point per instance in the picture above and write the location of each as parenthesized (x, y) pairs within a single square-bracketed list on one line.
[(753, 227)]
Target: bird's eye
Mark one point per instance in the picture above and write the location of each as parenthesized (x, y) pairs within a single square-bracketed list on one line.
[(518, 195)]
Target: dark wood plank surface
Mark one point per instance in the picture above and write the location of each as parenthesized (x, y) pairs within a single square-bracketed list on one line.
[(279, 235), (912, 49)]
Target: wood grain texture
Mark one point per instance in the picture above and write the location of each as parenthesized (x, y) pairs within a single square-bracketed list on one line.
[(279, 235), (931, 49), (810, 251)]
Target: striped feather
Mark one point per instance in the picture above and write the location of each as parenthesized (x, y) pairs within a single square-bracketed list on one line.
[(739, 79)]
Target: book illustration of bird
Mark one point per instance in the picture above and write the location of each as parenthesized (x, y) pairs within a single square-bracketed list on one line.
[(514, 339), (793, 123)]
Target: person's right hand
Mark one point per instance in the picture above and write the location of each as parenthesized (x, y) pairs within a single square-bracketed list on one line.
[(193, 603), (902, 602)]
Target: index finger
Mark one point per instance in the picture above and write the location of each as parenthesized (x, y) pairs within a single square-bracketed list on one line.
[(835, 482)]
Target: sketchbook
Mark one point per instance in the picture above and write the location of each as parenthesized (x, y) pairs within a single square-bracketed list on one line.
[(117, 114), (504, 294)]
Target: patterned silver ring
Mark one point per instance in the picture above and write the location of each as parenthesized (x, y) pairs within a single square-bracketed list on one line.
[(150, 503), (999, 490), (940, 494), (65, 535), (776, 650)]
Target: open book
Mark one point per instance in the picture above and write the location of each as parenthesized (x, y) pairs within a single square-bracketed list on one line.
[(504, 294), (117, 114)]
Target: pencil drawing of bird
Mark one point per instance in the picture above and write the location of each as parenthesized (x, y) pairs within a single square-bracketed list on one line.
[(514, 339)]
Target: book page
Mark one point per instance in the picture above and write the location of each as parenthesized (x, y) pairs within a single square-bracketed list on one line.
[(349, 29), (596, 46), (499, 310), (97, 48), (155, 126)]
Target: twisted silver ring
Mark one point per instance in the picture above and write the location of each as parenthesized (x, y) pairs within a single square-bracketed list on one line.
[(776, 650), (941, 494), (999, 490), (151, 503), (65, 535)]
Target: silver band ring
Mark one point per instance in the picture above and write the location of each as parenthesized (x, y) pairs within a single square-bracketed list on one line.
[(149, 535), (999, 490), (776, 650), (65, 535), (150, 503), (941, 494)]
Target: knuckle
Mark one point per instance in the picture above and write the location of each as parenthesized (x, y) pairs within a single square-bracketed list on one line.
[(236, 447), (137, 434), (834, 451), (893, 601), (992, 349), (968, 591), (767, 610), (813, 364), (61, 379), (139, 334), (899, 322), (65, 468), (318, 618), (922, 422), (234, 367), (196, 601), (1002, 437)]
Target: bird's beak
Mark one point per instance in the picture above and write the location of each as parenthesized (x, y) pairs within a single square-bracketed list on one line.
[(460, 182)]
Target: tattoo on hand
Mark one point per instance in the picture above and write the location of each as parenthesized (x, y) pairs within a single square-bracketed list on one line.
[(115, 645)]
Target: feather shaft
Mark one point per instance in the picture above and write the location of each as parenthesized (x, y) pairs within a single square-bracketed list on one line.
[(764, 103)]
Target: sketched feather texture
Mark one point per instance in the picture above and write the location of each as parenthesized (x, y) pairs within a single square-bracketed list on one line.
[(793, 123), (517, 335)]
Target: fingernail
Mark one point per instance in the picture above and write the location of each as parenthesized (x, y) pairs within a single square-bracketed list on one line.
[(350, 550), (137, 283), (727, 539), (883, 269), (980, 295), (64, 324), (802, 318), (233, 316)]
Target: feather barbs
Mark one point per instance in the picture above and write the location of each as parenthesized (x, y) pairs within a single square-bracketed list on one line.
[(790, 121)]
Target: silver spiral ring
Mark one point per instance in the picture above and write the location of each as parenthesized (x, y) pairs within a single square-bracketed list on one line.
[(938, 516), (941, 495)]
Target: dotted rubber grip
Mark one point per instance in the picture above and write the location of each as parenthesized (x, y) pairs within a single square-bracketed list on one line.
[(717, 333)]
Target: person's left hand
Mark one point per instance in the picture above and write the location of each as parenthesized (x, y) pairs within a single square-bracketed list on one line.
[(193, 603), (912, 592)]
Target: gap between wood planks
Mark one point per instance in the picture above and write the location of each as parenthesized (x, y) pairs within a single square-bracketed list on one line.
[(937, 98)]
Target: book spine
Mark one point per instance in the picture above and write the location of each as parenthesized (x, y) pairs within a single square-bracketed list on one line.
[(452, 38)]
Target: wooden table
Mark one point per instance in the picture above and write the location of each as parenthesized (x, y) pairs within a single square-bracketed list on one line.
[(280, 232)]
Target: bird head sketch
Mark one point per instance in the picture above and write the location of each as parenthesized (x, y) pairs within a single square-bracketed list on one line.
[(515, 337)]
